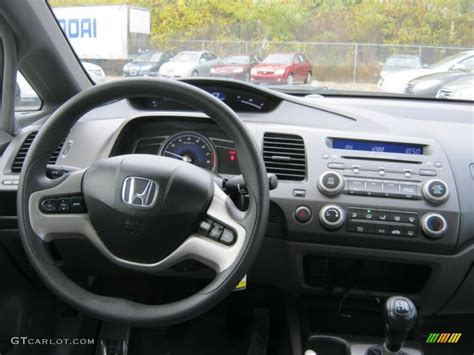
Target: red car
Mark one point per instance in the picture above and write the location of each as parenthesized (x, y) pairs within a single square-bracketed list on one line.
[(283, 68), (236, 67)]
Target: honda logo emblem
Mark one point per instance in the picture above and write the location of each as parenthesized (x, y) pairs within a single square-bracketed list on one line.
[(141, 192)]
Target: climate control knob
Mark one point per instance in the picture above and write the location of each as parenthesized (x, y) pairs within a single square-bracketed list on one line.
[(330, 183), (434, 225), (332, 216), (436, 191)]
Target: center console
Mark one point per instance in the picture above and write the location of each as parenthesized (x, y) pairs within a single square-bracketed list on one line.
[(376, 193)]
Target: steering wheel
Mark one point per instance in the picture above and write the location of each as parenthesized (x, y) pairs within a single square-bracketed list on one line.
[(143, 212)]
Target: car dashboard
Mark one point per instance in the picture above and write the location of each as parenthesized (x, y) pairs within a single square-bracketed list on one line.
[(386, 184)]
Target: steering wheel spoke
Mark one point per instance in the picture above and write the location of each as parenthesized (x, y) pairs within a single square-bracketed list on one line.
[(58, 212)]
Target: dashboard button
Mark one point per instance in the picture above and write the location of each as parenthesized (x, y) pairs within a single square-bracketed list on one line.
[(410, 231), (436, 191), (303, 214), (356, 186), (299, 193), (390, 189), (408, 190), (331, 216), (381, 228), (355, 213), (434, 225), (360, 227), (339, 166), (330, 183), (368, 214), (395, 230), (374, 187), (382, 216), (427, 172)]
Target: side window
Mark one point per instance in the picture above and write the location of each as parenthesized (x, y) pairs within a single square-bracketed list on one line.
[(468, 63), (211, 56), (300, 58), (26, 98), (203, 57)]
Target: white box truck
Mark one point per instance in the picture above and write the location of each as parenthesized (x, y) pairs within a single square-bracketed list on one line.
[(115, 32)]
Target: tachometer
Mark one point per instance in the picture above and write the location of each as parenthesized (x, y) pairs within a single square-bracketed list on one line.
[(191, 147)]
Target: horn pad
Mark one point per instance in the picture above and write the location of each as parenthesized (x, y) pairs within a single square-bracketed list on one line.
[(144, 206)]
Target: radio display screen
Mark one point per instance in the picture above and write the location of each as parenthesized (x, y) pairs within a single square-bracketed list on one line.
[(378, 147)]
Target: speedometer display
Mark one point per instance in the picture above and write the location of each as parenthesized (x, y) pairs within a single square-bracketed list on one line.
[(191, 147)]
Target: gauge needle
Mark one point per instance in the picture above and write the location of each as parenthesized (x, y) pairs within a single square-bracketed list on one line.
[(175, 155)]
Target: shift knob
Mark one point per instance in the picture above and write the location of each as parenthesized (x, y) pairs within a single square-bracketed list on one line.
[(400, 317)]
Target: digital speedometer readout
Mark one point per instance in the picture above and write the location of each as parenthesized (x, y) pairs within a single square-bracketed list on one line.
[(191, 147)]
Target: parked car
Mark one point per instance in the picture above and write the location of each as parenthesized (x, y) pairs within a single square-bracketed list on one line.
[(399, 62), (283, 68), (147, 64), (397, 82), (429, 85), (236, 67), (190, 64), (460, 89), (95, 72)]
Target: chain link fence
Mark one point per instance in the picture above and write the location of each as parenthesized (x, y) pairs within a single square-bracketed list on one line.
[(332, 62)]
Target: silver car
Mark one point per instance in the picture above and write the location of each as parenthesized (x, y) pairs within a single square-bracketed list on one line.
[(189, 64)]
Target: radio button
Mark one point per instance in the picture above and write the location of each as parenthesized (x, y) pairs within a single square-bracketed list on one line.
[(339, 166), (408, 190), (330, 183), (391, 188), (374, 187), (427, 172), (356, 186), (436, 191)]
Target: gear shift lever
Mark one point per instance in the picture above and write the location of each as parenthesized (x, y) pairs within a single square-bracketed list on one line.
[(400, 317)]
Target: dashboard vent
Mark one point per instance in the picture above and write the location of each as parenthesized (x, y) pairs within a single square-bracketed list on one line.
[(284, 156), (54, 157), (21, 155)]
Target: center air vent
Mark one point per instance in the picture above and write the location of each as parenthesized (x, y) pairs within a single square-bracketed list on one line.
[(284, 156)]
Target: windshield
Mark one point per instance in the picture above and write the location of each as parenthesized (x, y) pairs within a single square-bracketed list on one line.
[(446, 60), (147, 57), (278, 59), (238, 59), (401, 62), (186, 57), (326, 47)]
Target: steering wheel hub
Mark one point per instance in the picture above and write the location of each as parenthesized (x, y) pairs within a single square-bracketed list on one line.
[(145, 206)]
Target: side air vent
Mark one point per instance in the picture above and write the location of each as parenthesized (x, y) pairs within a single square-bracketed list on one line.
[(21, 155), (284, 156), (54, 157)]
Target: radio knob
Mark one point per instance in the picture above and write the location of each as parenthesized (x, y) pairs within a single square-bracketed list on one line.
[(330, 183), (332, 216), (436, 191), (434, 225)]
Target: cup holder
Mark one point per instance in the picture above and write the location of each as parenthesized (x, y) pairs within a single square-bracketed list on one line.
[(328, 345)]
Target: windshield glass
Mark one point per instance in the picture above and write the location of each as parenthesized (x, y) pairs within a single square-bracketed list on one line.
[(149, 56), (186, 57), (237, 59), (326, 47), (278, 59), (401, 62)]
